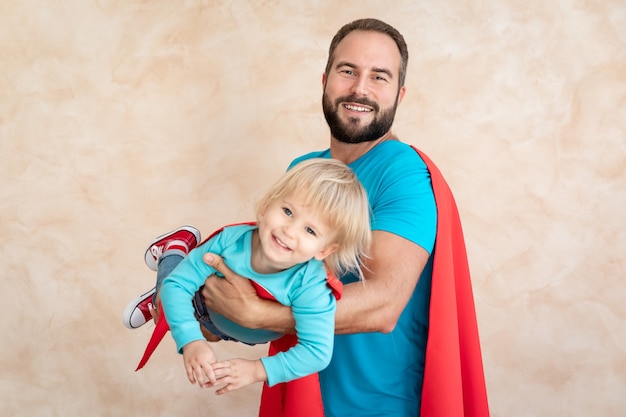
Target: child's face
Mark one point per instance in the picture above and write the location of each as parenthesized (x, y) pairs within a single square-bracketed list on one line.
[(291, 233)]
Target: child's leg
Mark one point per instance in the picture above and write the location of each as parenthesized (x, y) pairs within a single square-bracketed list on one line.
[(162, 256), (166, 264)]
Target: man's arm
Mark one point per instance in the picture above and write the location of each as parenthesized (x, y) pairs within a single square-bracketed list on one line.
[(391, 274)]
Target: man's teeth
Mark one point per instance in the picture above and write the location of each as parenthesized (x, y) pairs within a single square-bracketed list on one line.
[(356, 108)]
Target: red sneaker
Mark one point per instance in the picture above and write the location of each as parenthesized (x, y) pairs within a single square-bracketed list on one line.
[(182, 240), (137, 312)]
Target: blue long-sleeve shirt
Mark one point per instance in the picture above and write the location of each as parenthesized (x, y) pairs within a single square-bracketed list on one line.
[(302, 287)]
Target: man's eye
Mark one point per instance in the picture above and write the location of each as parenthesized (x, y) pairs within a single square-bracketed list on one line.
[(310, 231), (287, 211)]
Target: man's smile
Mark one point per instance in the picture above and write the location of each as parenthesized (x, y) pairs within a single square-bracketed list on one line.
[(360, 109)]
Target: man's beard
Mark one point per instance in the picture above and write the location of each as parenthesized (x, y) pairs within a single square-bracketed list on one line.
[(352, 131)]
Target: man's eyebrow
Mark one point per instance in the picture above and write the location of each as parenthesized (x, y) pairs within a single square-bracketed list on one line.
[(374, 69), (344, 64), (384, 71)]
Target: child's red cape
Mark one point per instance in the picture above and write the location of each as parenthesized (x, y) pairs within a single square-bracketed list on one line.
[(454, 383)]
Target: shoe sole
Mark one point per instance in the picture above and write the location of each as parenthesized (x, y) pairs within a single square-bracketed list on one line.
[(148, 256), (132, 306)]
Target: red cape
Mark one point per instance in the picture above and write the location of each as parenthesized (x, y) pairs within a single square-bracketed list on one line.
[(454, 383)]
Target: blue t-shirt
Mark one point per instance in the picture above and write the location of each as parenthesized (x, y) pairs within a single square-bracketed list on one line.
[(303, 287), (375, 374)]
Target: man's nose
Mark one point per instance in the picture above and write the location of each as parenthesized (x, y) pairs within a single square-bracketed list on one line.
[(360, 86)]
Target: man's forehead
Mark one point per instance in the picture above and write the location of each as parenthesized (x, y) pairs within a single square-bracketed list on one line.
[(368, 49)]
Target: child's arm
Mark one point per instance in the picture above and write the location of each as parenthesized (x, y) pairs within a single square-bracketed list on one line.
[(177, 292), (313, 309)]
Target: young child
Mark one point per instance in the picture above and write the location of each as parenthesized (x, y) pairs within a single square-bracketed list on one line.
[(314, 219)]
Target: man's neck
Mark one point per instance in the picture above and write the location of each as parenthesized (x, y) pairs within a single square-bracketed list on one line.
[(350, 152)]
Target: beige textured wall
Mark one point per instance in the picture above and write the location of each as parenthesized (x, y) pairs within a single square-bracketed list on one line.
[(121, 119)]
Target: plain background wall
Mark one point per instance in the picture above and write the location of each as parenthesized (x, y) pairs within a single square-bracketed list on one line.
[(120, 120)]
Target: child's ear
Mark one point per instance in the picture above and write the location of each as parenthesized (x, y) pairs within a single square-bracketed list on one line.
[(326, 251)]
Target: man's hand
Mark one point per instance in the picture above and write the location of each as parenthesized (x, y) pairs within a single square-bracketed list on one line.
[(232, 296), (235, 298)]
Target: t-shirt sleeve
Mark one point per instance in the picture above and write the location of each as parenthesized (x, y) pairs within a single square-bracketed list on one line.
[(402, 200)]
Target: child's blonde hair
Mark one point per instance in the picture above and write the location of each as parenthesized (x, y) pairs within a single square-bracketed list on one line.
[(332, 189)]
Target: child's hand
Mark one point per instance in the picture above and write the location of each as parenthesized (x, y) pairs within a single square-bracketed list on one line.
[(198, 356), (238, 373)]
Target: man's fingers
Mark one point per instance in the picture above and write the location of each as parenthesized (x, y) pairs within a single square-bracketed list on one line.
[(217, 262)]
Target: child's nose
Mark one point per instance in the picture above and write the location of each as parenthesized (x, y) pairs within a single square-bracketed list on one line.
[(288, 230)]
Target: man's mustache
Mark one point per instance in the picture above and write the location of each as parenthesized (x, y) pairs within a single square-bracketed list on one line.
[(357, 100)]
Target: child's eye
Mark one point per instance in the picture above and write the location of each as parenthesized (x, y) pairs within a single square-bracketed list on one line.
[(287, 211), (310, 231)]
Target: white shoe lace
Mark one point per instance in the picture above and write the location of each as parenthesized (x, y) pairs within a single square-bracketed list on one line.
[(156, 252)]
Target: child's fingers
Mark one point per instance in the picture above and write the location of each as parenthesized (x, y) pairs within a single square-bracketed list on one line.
[(225, 389), (190, 374), (221, 370), (208, 378), (197, 374)]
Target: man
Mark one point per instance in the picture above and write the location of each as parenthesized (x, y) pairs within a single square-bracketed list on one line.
[(390, 358), (382, 323)]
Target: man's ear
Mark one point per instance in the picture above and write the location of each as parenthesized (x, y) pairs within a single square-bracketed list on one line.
[(326, 251), (401, 94)]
